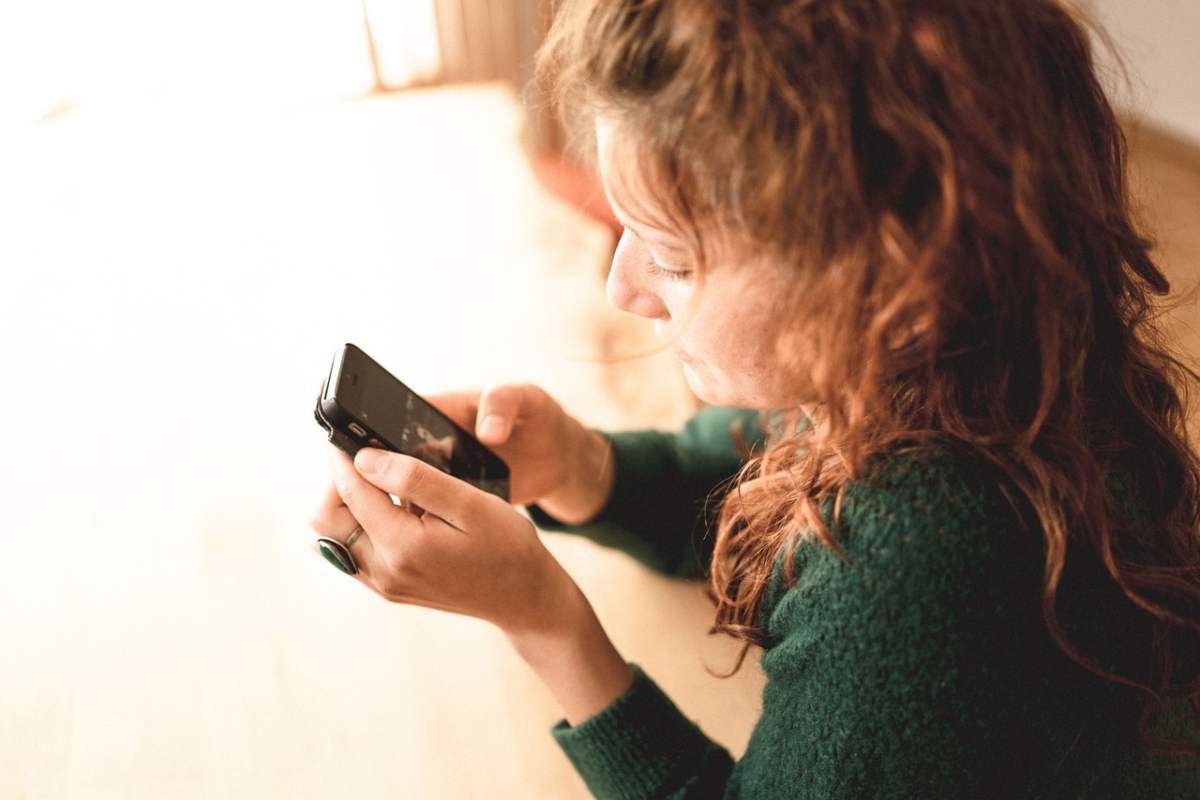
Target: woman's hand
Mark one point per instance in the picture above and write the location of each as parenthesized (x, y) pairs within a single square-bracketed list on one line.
[(463, 550), (524, 425)]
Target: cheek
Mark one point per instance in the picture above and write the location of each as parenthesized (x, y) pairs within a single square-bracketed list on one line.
[(737, 342), (710, 356), (713, 334)]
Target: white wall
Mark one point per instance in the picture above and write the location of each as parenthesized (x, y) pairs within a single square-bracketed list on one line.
[(1160, 42)]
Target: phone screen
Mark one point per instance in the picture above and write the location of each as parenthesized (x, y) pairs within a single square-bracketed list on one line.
[(406, 422)]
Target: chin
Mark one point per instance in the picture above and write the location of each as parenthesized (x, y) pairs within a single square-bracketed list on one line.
[(720, 395)]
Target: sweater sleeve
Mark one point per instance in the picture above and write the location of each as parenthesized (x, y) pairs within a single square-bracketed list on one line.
[(642, 746), (659, 511)]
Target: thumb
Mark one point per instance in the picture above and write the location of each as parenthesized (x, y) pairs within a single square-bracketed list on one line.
[(498, 410)]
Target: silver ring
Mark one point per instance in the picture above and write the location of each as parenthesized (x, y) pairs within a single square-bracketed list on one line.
[(357, 532)]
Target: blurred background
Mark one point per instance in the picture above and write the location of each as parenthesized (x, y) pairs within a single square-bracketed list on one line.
[(198, 204)]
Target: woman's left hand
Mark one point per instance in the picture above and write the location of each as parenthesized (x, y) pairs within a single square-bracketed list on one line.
[(462, 550)]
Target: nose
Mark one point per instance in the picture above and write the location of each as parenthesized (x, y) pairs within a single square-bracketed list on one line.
[(629, 288)]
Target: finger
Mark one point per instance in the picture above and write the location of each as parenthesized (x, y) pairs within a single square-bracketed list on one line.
[(334, 520), (457, 502), (499, 407), (462, 407), (331, 515), (363, 553), (379, 516)]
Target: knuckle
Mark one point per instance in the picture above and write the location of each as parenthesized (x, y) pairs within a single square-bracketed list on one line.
[(323, 519), (477, 504), (502, 397), (395, 577), (406, 474), (347, 491), (534, 397), (389, 587)]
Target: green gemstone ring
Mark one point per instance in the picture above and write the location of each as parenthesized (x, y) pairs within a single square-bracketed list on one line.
[(337, 553)]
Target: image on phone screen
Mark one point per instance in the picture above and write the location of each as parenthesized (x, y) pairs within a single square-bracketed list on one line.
[(374, 408)]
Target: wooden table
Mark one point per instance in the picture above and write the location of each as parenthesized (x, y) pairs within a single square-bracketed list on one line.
[(176, 278)]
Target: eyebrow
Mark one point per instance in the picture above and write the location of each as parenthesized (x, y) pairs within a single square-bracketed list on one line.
[(641, 234)]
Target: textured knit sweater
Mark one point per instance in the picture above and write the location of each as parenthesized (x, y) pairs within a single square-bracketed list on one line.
[(918, 667)]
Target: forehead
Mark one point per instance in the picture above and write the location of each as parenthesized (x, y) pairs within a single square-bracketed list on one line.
[(631, 194), (625, 187), (605, 128), (633, 201)]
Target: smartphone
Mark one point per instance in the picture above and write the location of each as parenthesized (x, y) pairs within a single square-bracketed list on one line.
[(363, 405)]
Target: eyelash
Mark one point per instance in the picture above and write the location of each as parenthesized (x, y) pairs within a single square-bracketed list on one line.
[(656, 271)]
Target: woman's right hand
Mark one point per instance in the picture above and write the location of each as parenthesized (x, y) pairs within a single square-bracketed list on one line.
[(553, 459)]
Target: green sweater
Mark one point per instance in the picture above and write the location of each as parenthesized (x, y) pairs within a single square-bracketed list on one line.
[(919, 668)]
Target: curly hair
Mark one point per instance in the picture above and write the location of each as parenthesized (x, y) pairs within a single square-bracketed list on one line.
[(945, 182)]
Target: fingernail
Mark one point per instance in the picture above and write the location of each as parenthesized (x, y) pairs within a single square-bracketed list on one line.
[(368, 460), (492, 427)]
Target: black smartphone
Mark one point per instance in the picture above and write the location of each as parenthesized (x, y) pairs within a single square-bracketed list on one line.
[(363, 405)]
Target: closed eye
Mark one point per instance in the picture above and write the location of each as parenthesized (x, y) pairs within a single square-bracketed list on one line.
[(655, 270), (652, 267)]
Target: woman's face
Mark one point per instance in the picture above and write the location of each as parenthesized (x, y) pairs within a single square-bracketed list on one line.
[(727, 348)]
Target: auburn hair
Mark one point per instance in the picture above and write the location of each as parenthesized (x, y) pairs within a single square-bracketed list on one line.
[(945, 183)]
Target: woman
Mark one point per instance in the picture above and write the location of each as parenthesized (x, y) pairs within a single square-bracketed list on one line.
[(954, 501)]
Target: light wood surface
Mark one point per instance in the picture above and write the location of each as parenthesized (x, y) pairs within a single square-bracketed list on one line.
[(1165, 175), (176, 277)]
